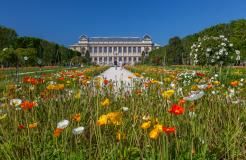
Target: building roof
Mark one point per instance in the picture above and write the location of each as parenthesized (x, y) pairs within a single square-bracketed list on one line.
[(115, 39)]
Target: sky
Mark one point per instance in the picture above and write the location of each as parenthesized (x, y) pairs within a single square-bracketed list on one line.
[(63, 21)]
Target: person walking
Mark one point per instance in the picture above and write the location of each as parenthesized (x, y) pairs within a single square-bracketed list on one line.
[(115, 64)]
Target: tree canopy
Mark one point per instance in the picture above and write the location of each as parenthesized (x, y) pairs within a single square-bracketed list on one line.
[(178, 49)]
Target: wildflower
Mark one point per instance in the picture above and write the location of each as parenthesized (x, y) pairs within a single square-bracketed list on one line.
[(62, 124), (115, 118), (105, 102), (21, 126), (146, 125), (57, 132), (154, 133), (169, 130), (78, 130), (199, 74), (234, 83), (120, 136), (125, 109), (76, 117), (103, 120), (25, 105), (202, 86), (33, 125), (216, 82), (105, 82), (15, 102), (77, 95), (167, 94), (176, 109), (195, 96), (181, 102)]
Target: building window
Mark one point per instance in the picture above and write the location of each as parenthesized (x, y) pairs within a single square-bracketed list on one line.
[(90, 49), (124, 59), (134, 59), (95, 59), (115, 49), (120, 49), (129, 49), (120, 58), (100, 59), (139, 58), (110, 59), (100, 49), (130, 58), (95, 49), (134, 49), (124, 50), (105, 49), (110, 49), (139, 49), (105, 59)]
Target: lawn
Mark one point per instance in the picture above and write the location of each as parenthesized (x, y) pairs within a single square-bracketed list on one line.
[(169, 114)]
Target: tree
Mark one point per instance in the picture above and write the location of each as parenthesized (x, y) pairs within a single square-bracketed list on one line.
[(7, 37), (88, 57), (175, 50)]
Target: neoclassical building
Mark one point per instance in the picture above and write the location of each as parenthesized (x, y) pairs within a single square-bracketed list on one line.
[(106, 50)]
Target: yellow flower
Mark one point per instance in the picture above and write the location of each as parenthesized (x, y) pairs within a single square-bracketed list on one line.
[(158, 127), (33, 125), (154, 134), (105, 102), (167, 94), (77, 95), (194, 88), (103, 120), (216, 82), (146, 125), (115, 117), (120, 136)]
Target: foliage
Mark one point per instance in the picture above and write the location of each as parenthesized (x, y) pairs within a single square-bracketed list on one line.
[(214, 51), (235, 31), (50, 53)]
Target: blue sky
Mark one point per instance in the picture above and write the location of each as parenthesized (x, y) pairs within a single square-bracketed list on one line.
[(63, 21)]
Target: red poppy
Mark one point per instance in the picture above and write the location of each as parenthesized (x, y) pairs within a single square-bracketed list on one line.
[(199, 74), (21, 126), (25, 105), (169, 130), (176, 109), (105, 81)]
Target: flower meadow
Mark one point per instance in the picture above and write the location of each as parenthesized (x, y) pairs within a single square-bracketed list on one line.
[(167, 114)]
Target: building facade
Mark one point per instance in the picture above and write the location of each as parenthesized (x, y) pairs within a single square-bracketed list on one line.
[(106, 50)]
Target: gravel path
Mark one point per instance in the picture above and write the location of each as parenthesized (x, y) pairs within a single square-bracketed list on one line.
[(120, 77)]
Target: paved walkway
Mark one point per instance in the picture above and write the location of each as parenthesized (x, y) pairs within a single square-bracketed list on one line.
[(120, 77)]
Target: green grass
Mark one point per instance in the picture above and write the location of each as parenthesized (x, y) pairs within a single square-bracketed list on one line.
[(210, 128)]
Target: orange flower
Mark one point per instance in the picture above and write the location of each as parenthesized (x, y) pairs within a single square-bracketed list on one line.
[(25, 105), (76, 117), (181, 102), (169, 130), (57, 132), (33, 125), (176, 109), (234, 83)]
